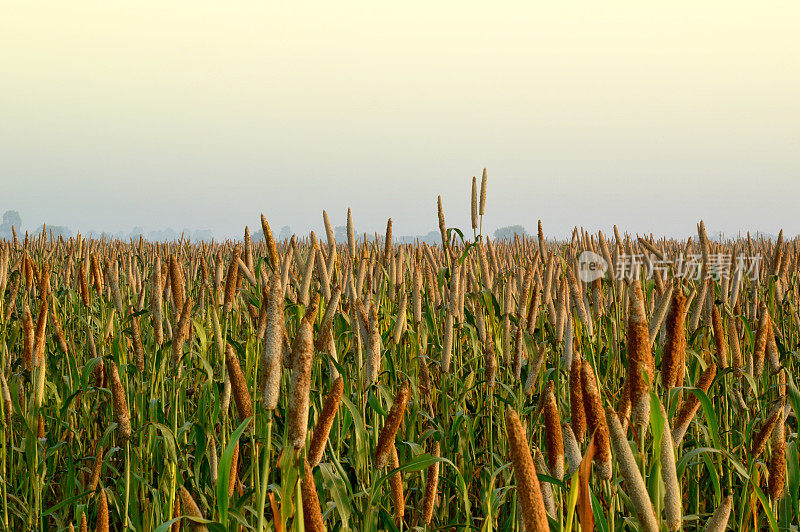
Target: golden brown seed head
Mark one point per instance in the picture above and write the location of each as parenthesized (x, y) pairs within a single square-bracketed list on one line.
[(241, 394), (534, 515), (234, 471), (482, 209), (553, 436), (231, 280), (760, 347), (300, 386), (733, 340), (641, 371), (351, 234), (387, 242), (635, 486), (442, 226), (96, 469), (759, 442), (772, 348), (596, 420), (102, 512), (578, 416), (624, 404), (542, 248), (97, 274), (138, 348), (373, 340), (672, 489), (393, 421), (520, 353), (176, 282), (474, 205), (121, 413), (572, 450), (431, 486), (692, 404), (180, 334), (719, 519), (719, 338), (323, 427), (272, 359), (176, 512), (155, 301), (490, 361), (777, 461), (272, 249), (41, 329), (312, 514), (29, 338), (84, 285), (8, 406), (674, 353), (396, 486), (192, 510)]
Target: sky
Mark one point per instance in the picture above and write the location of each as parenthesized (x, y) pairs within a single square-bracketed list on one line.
[(203, 115)]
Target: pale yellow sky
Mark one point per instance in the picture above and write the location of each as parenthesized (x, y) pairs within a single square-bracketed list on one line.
[(204, 114)]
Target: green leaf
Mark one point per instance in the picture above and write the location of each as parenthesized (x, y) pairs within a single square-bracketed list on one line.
[(418, 463), (387, 521), (224, 471), (708, 410), (169, 441), (339, 493), (572, 499), (599, 518), (773, 524), (376, 405), (794, 398), (360, 433), (199, 330), (552, 480), (793, 475), (712, 472), (687, 457), (657, 422), (213, 526)]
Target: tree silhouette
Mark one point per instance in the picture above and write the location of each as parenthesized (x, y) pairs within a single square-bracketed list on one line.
[(508, 232)]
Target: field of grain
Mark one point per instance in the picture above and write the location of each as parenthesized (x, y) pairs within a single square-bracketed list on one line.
[(373, 385)]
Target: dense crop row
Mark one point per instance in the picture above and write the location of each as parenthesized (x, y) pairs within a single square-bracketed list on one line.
[(367, 384)]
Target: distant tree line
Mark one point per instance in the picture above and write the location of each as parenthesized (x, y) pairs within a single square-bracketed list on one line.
[(13, 219)]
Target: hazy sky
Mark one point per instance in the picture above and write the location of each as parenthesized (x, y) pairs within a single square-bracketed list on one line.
[(201, 115)]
